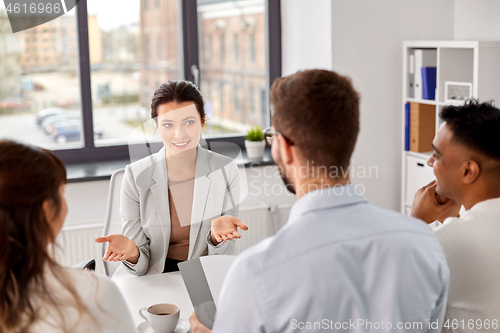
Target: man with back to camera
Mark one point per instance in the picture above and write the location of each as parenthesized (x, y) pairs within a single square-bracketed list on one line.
[(340, 263), (466, 163)]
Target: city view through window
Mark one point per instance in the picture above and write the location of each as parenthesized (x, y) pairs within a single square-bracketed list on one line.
[(130, 55)]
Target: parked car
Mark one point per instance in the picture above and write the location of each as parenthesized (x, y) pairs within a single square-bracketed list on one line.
[(15, 103), (70, 130), (67, 103), (42, 114), (48, 123)]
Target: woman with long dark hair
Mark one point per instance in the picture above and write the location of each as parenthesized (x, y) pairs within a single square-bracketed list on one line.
[(36, 293), (181, 202)]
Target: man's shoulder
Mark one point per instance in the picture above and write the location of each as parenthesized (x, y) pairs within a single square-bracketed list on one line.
[(478, 222), (328, 232)]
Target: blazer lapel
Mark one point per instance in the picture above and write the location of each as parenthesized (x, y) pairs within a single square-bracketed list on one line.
[(159, 191), (201, 189)]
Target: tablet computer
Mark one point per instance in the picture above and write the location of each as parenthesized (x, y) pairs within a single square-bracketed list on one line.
[(203, 278)]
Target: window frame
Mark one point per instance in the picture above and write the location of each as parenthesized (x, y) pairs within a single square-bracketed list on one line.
[(190, 56)]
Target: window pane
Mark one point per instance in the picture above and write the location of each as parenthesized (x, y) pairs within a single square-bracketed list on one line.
[(39, 84), (134, 52), (230, 82)]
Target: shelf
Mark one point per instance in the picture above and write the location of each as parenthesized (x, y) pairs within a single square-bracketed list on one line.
[(433, 102), (424, 155), (423, 101), (449, 44), (475, 62)]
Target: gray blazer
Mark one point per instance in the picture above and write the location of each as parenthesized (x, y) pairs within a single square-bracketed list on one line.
[(145, 214)]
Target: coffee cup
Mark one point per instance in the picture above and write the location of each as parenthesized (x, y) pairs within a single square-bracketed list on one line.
[(162, 318)]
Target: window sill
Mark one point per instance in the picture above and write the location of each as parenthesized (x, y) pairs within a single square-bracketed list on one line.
[(85, 172)]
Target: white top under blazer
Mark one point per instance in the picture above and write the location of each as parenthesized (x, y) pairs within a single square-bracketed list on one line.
[(145, 214)]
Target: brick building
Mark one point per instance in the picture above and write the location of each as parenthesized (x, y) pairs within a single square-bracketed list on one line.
[(232, 57)]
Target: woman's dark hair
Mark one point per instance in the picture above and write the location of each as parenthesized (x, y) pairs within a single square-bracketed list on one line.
[(475, 125), (318, 110), (29, 177), (178, 92)]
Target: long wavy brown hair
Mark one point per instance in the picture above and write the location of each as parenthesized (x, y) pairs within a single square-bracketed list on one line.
[(30, 176)]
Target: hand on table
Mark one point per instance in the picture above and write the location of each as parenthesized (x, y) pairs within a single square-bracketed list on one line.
[(120, 248), (225, 228), (429, 206), (196, 326)]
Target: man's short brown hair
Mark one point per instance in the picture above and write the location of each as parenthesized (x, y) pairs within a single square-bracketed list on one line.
[(318, 110)]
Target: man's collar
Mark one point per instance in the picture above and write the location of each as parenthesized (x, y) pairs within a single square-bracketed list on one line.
[(326, 198)]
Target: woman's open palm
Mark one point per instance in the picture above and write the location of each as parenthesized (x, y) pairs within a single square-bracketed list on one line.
[(120, 248), (225, 228)]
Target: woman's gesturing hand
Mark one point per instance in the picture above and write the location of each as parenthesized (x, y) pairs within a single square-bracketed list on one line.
[(225, 228), (120, 248)]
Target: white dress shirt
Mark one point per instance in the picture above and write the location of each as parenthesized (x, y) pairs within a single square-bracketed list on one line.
[(339, 264), (102, 299), (471, 244)]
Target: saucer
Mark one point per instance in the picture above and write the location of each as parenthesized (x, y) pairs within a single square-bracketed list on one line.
[(182, 327)]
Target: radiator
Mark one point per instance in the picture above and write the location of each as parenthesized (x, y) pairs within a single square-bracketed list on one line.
[(262, 221), (76, 240), (76, 243)]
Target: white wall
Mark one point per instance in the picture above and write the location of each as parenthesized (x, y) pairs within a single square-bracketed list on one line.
[(367, 46), (365, 43), (477, 20), (306, 35), (87, 201)]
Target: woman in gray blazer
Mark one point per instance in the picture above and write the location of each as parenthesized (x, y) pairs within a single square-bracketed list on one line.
[(182, 202)]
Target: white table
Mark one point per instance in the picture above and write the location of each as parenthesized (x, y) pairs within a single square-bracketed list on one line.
[(144, 291)]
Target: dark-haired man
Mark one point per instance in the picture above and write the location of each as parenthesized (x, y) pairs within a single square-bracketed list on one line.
[(340, 263), (466, 162)]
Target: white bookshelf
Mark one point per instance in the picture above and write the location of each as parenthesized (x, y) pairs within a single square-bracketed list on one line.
[(475, 62)]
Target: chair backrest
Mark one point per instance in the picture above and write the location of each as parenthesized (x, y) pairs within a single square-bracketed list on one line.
[(113, 222)]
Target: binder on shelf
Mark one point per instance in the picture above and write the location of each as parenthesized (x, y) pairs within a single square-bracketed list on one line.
[(429, 82), (411, 73), (407, 126), (422, 126), (423, 58), (417, 75)]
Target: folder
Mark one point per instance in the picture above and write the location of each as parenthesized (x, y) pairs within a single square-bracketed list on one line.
[(422, 126), (407, 126), (417, 72), (429, 82), (411, 73)]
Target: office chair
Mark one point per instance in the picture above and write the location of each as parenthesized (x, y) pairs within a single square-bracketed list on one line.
[(87, 264), (113, 223)]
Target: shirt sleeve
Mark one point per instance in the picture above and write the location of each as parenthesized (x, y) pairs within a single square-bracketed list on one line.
[(111, 300), (438, 314), (240, 307)]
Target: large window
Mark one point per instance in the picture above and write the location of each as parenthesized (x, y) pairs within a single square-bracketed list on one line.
[(40, 84), (243, 24), (134, 63), (82, 83)]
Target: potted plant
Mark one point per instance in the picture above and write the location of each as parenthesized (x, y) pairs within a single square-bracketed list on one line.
[(255, 143)]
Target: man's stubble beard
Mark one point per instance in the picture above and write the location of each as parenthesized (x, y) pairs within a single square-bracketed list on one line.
[(289, 186)]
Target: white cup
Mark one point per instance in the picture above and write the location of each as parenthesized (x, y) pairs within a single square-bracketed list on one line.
[(162, 318)]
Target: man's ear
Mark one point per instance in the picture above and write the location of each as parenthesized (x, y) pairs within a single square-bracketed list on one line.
[(470, 172), (287, 157)]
